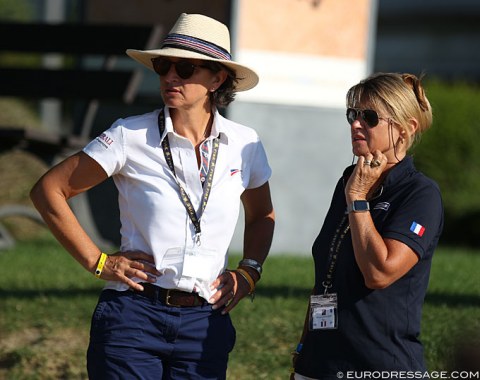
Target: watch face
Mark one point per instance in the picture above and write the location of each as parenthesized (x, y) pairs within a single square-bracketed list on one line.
[(360, 206)]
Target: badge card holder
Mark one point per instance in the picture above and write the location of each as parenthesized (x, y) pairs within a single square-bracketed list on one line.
[(201, 263), (323, 312), (324, 307)]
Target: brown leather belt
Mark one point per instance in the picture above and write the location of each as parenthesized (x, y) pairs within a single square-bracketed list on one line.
[(170, 297)]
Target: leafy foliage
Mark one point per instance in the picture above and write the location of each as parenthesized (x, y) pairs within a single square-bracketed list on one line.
[(449, 153)]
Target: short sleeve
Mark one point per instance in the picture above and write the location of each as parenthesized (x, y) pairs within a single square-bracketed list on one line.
[(259, 170), (417, 220), (108, 149)]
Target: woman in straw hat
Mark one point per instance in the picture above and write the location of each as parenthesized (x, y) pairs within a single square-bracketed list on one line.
[(181, 172)]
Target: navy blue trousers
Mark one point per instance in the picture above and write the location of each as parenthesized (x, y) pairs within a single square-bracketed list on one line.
[(133, 337)]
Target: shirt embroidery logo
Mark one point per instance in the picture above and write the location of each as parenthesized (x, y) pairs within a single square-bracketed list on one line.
[(234, 171), (417, 229), (104, 140), (382, 206)]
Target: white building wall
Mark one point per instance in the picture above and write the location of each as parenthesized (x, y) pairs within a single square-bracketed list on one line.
[(298, 107), (308, 148)]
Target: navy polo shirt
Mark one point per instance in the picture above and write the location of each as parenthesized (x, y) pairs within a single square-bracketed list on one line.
[(377, 329)]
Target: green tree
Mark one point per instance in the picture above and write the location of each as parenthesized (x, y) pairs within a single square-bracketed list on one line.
[(449, 153)]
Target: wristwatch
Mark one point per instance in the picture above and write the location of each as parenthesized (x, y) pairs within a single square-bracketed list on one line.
[(358, 206), (254, 264)]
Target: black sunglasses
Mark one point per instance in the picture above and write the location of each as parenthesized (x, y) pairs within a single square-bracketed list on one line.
[(369, 116), (184, 69)]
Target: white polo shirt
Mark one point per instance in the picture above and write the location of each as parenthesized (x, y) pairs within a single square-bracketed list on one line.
[(153, 217)]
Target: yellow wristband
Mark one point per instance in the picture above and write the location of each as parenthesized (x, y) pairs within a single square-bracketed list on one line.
[(101, 263), (248, 278)]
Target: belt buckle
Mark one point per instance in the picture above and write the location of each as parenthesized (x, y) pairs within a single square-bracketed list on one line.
[(167, 299)]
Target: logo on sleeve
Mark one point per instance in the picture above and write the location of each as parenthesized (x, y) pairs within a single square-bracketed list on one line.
[(105, 140), (417, 229), (382, 206), (234, 171)]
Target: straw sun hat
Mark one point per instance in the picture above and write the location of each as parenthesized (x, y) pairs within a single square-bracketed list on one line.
[(199, 37)]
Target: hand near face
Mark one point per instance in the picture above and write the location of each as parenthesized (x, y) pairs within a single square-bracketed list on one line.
[(366, 174)]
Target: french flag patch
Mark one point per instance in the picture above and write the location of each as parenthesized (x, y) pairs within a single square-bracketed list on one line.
[(417, 229)]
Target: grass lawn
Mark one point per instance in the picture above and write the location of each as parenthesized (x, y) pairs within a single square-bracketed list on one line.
[(46, 300)]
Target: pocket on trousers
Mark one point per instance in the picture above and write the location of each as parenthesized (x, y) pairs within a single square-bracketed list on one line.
[(101, 307), (114, 319)]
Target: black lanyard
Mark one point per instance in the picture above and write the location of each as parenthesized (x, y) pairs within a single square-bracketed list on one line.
[(334, 249), (208, 183), (337, 240)]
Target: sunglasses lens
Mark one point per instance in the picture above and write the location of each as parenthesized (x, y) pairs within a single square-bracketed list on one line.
[(184, 69), (161, 66), (351, 115), (370, 117)]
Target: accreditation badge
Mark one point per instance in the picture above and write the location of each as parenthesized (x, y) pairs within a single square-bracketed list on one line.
[(323, 312), (201, 263)]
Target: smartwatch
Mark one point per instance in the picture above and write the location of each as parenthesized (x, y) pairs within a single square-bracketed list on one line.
[(358, 206)]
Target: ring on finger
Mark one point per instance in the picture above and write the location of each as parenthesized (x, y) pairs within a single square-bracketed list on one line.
[(375, 163), (367, 162)]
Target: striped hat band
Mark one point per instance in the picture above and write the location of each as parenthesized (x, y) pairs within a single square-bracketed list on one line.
[(181, 41)]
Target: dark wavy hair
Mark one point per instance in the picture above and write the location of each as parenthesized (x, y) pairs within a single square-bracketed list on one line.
[(225, 94)]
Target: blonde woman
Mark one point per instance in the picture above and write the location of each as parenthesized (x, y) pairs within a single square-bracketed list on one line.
[(374, 251)]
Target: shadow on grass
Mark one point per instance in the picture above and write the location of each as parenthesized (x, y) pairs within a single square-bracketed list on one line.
[(433, 298), (283, 291), (55, 293), (463, 300), (436, 299), (263, 291)]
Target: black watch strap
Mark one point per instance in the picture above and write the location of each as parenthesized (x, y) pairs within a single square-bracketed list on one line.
[(254, 264)]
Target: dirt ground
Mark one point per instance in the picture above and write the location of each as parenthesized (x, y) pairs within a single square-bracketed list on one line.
[(34, 353)]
